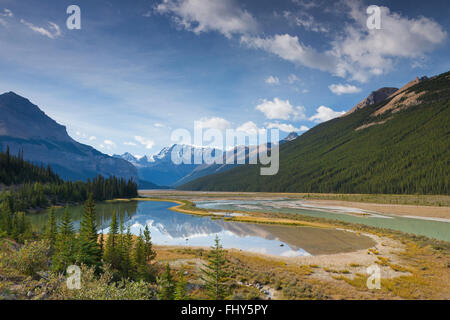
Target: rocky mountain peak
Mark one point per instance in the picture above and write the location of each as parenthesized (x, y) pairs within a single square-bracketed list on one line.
[(374, 97)]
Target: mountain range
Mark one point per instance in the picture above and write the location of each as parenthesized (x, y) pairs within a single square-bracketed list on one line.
[(23, 126), (162, 171), (394, 141)]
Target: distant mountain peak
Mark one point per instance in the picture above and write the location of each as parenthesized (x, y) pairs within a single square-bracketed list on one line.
[(126, 156), (24, 120), (373, 98), (291, 136), (24, 126)]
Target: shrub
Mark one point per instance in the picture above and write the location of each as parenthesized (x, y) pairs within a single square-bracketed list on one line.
[(33, 257)]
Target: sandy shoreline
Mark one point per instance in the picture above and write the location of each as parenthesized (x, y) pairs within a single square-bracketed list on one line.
[(405, 210), (392, 209)]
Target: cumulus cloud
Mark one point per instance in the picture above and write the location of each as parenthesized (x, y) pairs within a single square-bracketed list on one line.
[(286, 127), (280, 109), (289, 48), (250, 128), (92, 138), (199, 16), (148, 143), (6, 13), (357, 53), (272, 80), (363, 52), (109, 143), (343, 89), (53, 31), (130, 143), (213, 123), (324, 114)]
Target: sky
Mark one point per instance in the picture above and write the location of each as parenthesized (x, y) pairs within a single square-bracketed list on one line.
[(137, 70)]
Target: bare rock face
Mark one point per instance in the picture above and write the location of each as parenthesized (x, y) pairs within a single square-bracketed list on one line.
[(23, 126), (375, 97)]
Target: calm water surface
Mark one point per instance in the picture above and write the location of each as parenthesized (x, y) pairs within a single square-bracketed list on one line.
[(172, 228)]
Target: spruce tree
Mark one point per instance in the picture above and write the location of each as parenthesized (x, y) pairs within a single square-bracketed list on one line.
[(167, 285), (150, 254), (89, 249), (213, 273), (127, 269), (112, 253), (65, 248), (51, 230), (139, 258), (181, 287)]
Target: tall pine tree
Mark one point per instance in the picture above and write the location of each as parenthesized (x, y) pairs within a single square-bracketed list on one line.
[(65, 248), (213, 274), (89, 249)]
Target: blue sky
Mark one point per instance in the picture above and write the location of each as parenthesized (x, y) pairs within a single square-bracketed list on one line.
[(138, 70)]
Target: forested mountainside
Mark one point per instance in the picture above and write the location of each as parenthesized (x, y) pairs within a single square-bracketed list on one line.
[(400, 145)]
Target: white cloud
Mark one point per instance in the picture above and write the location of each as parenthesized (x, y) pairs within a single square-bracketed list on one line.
[(324, 114), (305, 20), (280, 109), (92, 138), (343, 89), (272, 80), (286, 127), (52, 32), (159, 125), (357, 53), (250, 128), (293, 78), (109, 143), (6, 13), (306, 4), (148, 143), (363, 52), (289, 48), (213, 123), (130, 143), (199, 16)]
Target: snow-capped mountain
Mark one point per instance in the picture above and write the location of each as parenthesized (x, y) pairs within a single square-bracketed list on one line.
[(161, 170)]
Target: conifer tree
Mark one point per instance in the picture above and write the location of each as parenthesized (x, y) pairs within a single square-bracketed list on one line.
[(150, 254), (102, 243), (213, 273), (139, 258), (167, 285), (181, 287), (65, 248), (126, 261), (51, 230), (89, 249), (112, 252)]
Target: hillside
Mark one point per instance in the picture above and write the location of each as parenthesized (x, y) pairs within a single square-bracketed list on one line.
[(400, 145), (24, 127)]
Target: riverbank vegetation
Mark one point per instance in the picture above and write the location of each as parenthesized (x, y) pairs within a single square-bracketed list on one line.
[(116, 265)]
